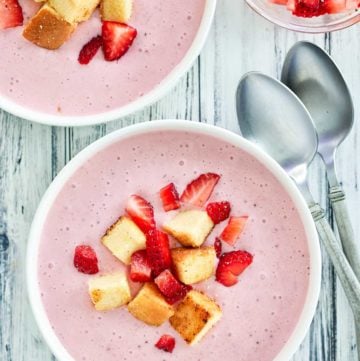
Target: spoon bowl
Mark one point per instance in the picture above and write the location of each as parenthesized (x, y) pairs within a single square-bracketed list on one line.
[(314, 77), (273, 117)]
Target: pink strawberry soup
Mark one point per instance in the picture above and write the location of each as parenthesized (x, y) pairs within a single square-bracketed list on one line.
[(54, 82), (259, 313)]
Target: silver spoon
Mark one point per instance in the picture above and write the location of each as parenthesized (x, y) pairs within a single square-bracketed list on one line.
[(270, 115), (313, 76)]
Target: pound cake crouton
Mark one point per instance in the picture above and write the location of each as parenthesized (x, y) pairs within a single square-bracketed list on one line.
[(190, 228), (74, 11), (149, 306), (109, 291), (195, 316), (116, 10), (48, 29), (124, 238), (193, 265)]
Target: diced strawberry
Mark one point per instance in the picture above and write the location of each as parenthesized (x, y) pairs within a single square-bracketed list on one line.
[(117, 39), (170, 287), (199, 190), (166, 343), (218, 211), (218, 247), (158, 251), (90, 49), (169, 197), (233, 229), (141, 212), (140, 270), (334, 6), (85, 260), (231, 265), (11, 14), (308, 8)]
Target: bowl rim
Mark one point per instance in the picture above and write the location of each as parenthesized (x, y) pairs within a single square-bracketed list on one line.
[(345, 23), (149, 98), (55, 187)]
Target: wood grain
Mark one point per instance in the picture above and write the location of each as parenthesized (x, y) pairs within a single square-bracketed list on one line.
[(31, 155)]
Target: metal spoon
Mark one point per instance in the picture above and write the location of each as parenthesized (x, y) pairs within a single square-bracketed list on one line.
[(313, 76), (270, 115)]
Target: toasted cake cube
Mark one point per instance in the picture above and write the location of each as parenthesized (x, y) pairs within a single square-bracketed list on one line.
[(124, 238), (74, 11), (116, 10), (150, 306), (190, 228), (109, 291), (48, 29), (193, 265), (195, 316)]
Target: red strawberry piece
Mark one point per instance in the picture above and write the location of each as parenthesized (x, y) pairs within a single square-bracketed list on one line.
[(141, 212), (309, 8), (117, 39), (140, 270), (218, 247), (85, 260), (11, 14), (90, 49), (169, 197), (158, 251), (231, 265), (170, 287), (233, 229), (218, 211), (199, 190), (166, 343)]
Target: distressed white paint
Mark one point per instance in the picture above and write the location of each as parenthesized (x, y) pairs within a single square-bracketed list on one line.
[(31, 155)]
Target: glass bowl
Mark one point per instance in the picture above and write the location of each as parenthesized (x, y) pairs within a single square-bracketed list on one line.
[(281, 16)]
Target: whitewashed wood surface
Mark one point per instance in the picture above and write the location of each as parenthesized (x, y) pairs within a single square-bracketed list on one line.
[(240, 41)]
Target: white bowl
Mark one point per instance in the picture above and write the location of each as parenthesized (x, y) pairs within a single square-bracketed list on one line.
[(154, 95), (178, 125)]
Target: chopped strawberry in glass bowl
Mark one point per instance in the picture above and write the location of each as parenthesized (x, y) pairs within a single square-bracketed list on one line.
[(310, 16)]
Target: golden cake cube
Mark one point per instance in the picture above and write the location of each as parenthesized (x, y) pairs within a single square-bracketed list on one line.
[(124, 238), (193, 265), (48, 29), (74, 11), (190, 228), (195, 316), (116, 10), (149, 306), (109, 291)]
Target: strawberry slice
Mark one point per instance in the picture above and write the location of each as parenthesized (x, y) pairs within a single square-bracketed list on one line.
[(231, 265), (233, 229), (140, 270), (117, 39), (85, 260), (158, 251), (11, 14), (89, 50), (199, 190), (169, 197), (170, 287), (218, 211), (166, 343), (218, 247), (141, 212)]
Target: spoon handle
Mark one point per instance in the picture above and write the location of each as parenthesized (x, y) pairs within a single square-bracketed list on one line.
[(344, 271), (351, 248)]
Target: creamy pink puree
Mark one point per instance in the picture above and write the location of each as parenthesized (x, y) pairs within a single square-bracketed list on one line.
[(259, 313), (54, 82)]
